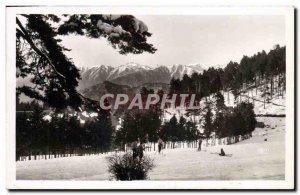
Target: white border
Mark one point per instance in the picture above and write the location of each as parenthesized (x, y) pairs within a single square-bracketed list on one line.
[(12, 183)]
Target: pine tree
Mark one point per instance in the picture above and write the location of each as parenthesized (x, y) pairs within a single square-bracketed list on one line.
[(98, 133), (23, 135), (37, 130), (220, 103), (191, 131), (57, 133), (74, 134), (208, 122), (55, 77)]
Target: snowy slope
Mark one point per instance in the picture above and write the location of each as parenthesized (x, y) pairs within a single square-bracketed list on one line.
[(275, 106), (251, 159), (96, 74), (178, 70), (126, 69)]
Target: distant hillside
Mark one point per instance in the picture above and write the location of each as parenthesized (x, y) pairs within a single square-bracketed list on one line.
[(96, 91), (263, 106)]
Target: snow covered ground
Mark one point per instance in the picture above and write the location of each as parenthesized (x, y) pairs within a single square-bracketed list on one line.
[(251, 159)]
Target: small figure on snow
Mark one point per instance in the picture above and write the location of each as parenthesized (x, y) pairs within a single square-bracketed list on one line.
[(140, 150), (146, 138), (199, 144), (160, 145), (134, 149), (222, 152)]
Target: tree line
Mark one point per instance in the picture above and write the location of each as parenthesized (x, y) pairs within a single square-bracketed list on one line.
[(227, 121), (181, 130), (216, 119), (62, 135), (140, 124), (147, 125), (260, 69)]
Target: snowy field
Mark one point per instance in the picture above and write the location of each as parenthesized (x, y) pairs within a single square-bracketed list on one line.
[(253, 158)]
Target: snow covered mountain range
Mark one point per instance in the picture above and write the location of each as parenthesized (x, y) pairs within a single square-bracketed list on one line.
[(133, 74)]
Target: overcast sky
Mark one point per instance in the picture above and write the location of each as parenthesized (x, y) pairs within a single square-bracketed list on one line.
[(206, 40)]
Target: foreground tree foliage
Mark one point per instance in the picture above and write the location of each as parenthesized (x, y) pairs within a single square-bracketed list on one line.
[(53, 76)]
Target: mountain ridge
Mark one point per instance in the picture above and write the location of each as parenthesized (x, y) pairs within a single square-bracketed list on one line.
[(134, 74)]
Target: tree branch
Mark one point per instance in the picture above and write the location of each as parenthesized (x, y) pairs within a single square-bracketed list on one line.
[(25, 35)]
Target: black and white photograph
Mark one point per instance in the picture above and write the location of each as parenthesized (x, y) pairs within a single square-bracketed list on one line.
[(150, 98)]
